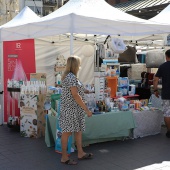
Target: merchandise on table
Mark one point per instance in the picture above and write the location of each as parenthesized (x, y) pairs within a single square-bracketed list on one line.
[(34, 87), (59, 68), (99, 88), (123, 85), (38, 77), (14, 83), (132, 89), (112, 83)]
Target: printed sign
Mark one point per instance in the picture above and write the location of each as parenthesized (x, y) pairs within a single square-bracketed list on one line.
[(19, 62)]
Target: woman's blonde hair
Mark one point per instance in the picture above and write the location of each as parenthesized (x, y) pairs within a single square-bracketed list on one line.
[(73, 64)]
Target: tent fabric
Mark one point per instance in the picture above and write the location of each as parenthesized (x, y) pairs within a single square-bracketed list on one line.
[(86, 17), (163, 16), (46, 54)]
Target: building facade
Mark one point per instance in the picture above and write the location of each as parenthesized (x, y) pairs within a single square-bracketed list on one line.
[(145, 9), (113, 2), (8, 9), (42, 7)]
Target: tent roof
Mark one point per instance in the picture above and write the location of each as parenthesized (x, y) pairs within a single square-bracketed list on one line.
[(163, 16), (25, 16), (86, 17), (98, 9)]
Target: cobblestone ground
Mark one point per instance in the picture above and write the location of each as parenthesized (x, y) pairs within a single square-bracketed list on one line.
[(149, 153)]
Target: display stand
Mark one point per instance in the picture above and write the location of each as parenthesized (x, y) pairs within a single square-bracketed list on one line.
[(32, 121)]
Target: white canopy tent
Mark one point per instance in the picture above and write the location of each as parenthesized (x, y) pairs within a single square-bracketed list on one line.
[(163, 16), (155, 39), (86, 17), (24, 17), (47, 48)]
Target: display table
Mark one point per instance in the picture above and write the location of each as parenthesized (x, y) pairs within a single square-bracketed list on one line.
[(99, 128), (133, 97), (147, 123)]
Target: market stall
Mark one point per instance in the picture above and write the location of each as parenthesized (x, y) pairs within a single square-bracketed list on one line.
[(107, 81), (100, 128)]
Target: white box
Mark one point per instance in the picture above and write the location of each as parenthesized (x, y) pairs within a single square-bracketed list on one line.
[(99, 88), (99, 74)]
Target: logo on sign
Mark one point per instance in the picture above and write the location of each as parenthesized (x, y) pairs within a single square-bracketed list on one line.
[(18, 45)]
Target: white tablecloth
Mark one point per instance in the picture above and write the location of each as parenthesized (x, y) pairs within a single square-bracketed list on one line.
[(147, 123)]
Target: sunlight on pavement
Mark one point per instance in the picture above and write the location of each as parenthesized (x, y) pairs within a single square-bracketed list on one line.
[(162, 166)]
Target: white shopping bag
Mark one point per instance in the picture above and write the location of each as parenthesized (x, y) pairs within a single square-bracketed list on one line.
[(156, 102)]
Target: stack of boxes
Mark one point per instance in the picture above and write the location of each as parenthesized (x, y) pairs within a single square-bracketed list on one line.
[(99, 88), (123, 85)]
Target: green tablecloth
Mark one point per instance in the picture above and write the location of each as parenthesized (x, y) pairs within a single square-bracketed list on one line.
[(99, 128)]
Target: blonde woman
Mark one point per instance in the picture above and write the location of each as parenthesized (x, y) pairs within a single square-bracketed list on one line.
[(73, 109)]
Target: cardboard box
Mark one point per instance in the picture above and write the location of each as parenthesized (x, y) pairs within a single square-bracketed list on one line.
[(32, 113), (38, 77), (59, 68)]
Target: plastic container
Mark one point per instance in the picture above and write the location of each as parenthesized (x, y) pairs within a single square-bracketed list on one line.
[(123, 81), (123, 90), (112, 83), (132, 88)]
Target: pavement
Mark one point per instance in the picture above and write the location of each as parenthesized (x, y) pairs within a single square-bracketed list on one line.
[(148, 153)]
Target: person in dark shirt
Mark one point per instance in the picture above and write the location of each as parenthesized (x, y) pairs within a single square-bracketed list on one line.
[(164, 73)]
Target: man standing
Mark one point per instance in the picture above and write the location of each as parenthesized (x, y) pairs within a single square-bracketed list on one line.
[(164, 73)]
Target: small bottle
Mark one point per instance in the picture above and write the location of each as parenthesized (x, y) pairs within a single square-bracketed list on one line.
[(13, 121), (36, 90), (23, 89), (17, 84), (117, 72), (20, 83), (31, 88), (59, 79), (9, 83), (101, 105)]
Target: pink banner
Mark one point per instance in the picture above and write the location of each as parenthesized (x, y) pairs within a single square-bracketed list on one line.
[(19, 62)]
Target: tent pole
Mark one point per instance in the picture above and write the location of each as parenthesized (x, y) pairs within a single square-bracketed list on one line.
[(95, 63), (71, 44)]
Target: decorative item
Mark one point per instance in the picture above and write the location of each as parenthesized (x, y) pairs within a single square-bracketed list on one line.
[(132, 107), (88, 50)]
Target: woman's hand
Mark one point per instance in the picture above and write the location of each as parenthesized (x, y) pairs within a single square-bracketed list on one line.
[(89, 113)]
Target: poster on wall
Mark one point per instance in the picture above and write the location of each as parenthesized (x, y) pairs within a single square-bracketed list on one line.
[(19, 62)]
